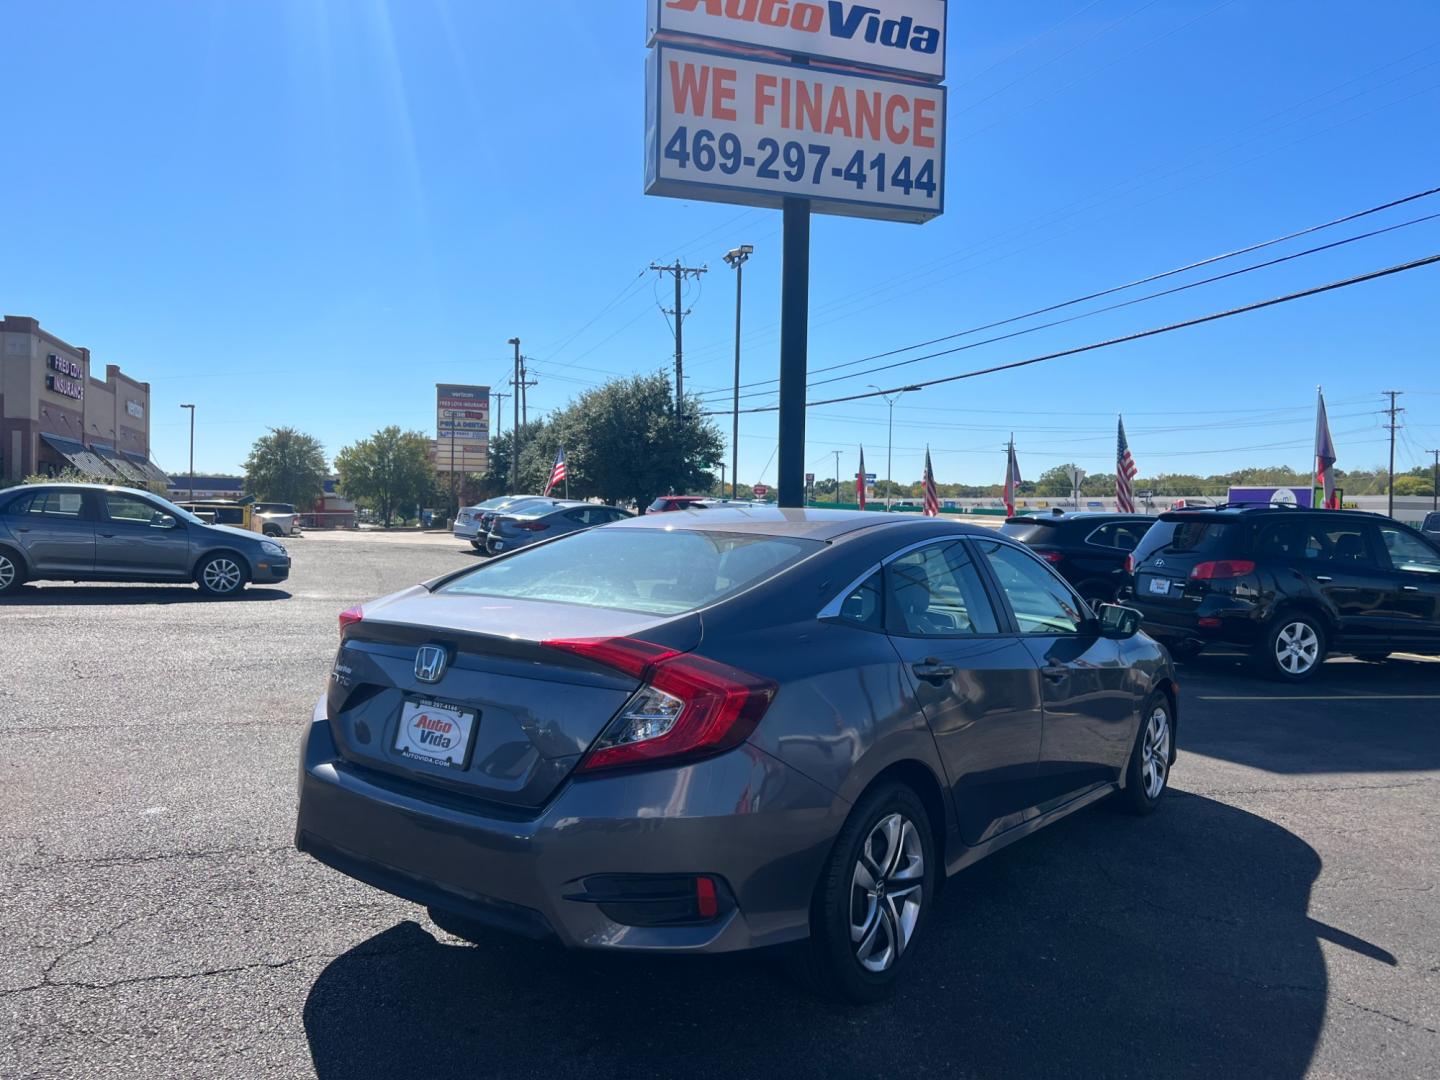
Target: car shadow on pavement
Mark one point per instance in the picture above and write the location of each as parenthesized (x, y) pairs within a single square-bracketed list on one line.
[(1177, 945), (1351, 717), (97, 596)]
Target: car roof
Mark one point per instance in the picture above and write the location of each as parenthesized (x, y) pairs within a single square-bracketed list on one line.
[(61, 485), (810, 522), (1244, 513), (1079, 516)]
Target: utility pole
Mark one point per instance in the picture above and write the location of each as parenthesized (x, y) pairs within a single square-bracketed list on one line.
[(736, 258), (722, 482), (1435, 482), (499, 412), (681, 273), (515, 429), (837, 474), (192, 450), (525, 383), (1394, 425)]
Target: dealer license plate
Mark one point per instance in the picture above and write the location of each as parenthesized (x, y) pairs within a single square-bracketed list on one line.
[(436, 732), (1160, 586)]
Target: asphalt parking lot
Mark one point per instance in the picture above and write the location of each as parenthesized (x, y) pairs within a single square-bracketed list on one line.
[(1278, 917)]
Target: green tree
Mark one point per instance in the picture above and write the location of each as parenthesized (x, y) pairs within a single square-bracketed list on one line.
[(286, 466), (1409, 484), (389, 473)]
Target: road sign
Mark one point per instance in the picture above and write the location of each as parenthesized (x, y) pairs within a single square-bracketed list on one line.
[(726, 129), (869, 477), (761, 491), (893, 35), (809, 478)]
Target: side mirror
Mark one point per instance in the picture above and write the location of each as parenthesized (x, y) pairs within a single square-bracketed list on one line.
[(164, 521), (1118, 622)]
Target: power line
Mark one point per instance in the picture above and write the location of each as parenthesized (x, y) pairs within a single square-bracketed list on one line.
[(1138, 335), (1141, 281)]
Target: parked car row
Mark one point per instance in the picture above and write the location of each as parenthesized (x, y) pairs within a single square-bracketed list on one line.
[(1289, 585), (516, 521)]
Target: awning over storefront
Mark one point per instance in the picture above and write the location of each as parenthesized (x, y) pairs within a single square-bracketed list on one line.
[(153, 472), (80, 456), (129, 472)]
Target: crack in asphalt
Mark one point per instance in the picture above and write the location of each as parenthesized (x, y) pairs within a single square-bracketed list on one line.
[(55, 862), (1322, 788), (1390, 1016)]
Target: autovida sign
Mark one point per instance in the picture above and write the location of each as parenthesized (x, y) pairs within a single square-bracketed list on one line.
[(906, 36), (728, 129), (757, 101)]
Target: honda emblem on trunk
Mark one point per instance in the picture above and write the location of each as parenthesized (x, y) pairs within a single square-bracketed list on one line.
[(430, 663)]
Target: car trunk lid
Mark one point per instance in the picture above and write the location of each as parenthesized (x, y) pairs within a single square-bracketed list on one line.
[(524, 712), (1173, 547)]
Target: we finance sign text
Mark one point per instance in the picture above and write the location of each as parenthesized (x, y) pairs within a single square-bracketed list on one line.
[(896, 35)]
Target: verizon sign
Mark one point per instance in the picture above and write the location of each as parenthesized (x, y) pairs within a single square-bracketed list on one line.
[(906, 36)]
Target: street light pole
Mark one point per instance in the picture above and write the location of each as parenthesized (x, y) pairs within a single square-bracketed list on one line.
[(837, 474), (192, 450), (515, 427), (736, 259), (890, 398)]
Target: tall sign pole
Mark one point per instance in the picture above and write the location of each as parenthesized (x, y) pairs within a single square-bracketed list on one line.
[(806, 108)]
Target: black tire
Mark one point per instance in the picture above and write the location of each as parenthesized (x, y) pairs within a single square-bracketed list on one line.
[(828, 963), (1141, 793), (1292, 649), (478, 546), (272, 530), (12, 572), (222, 575)]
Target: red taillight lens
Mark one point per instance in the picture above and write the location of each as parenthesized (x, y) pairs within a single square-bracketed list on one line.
[(1221, 569), (1129, 564), (706, 903), (1051, 556), (532, 526), (688, 707), (349, 617)]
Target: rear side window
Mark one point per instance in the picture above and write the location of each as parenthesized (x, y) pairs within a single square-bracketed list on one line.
[(655, 571), (19, 505), (65, 504), (1432, 523), (865, 606), (1199, 537)]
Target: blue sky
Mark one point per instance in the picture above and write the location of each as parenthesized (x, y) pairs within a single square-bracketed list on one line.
[(309, 212)]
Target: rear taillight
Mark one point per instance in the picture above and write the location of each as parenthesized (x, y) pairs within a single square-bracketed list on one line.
[(688, 707), (349, 617), (532, 526), (1129, 564), (1221, 569), (1051, 556)]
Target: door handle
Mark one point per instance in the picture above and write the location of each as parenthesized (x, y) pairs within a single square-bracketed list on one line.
[(1055, 672), (1323, 577), (932, 670), (107, 536), (1411, 588)]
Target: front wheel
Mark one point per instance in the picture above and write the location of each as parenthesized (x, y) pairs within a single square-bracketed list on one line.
[(220, 575), (1148, 773), (12, 573), (872, 899), (1293, 649)]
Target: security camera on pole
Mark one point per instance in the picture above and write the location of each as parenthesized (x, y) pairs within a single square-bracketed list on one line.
[(737, 113)]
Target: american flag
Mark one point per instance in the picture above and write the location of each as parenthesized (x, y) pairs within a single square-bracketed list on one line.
[(557, 473), (1012, 480), (1125, 471), (860, 481), (932, 497), (1325, 458)]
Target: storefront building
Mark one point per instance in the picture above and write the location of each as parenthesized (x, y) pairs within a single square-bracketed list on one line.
[(55, 414)]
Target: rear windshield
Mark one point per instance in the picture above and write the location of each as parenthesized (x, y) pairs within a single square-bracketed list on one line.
[(655, 571), (1026, 532), (1201, 537), (1432, 523)]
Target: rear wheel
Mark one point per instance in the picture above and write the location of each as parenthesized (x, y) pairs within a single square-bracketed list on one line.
[(220, 575), (273, 530), (872, 899), (1293, 649), (12, 572)]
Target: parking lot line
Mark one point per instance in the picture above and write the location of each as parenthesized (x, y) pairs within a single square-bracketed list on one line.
[(1320, 697)]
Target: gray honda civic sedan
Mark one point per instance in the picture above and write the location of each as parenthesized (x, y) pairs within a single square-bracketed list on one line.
[(703, 732), (90, 532)]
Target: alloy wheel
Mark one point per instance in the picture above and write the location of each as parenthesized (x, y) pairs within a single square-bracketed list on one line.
[(7, 572), (1297, 648), (222, 575), (887, 887), (1155, 754)]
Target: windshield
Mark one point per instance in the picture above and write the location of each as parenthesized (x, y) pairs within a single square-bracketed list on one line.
[(655, 571), (1026, 532)]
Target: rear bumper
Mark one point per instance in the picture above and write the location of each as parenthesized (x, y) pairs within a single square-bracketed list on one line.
[(1215, 619), (465, 532), (744, 817)]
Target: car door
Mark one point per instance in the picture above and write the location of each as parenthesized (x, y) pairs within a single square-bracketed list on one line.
[(57, 531), (1413, 567), (1338, 561), (975, 682), (136, 536), (1089, 699)]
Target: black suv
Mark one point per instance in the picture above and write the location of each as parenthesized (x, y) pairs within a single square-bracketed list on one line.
[(1089, 550), (1289, 585), (1431, 527)]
